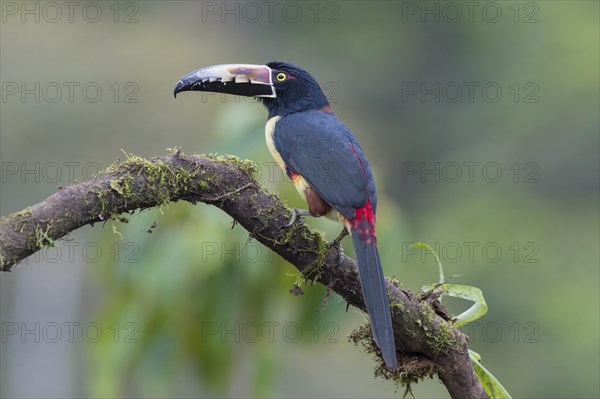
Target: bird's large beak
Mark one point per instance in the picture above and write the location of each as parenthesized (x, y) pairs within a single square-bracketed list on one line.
[(241, 79)]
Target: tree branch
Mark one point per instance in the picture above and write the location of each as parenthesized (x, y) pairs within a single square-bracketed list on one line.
[(427, 344)]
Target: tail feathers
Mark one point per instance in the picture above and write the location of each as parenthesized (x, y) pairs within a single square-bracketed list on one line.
[(375, 294)]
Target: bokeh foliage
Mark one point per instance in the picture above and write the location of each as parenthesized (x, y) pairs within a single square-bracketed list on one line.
[(542, 292)]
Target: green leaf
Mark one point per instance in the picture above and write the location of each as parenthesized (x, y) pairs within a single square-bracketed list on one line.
[(492, 386), (428, 248), (477, 310)]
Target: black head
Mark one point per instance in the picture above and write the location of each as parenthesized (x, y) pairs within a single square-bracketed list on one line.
[(283, 88), (295, 89)]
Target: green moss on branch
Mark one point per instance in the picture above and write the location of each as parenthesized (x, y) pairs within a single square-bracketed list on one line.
[(426, 343)]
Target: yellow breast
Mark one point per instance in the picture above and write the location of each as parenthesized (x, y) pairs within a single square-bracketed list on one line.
[(299, 182), (269, 130)]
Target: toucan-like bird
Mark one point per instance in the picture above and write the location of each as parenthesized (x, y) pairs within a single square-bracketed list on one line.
[(323, 159)]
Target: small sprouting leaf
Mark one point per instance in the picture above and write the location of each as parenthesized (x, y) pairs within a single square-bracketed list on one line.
[(492, 386), (477, 310)]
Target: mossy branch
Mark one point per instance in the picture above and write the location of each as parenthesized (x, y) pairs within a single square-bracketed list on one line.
[(427, 343)]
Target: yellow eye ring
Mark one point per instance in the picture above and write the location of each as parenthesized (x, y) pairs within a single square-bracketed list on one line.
[(280, 77)]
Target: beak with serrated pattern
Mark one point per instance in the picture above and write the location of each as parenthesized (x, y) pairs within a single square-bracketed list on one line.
[(241, 79)]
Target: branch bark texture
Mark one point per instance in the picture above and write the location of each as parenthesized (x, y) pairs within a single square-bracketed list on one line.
[(427, 344)]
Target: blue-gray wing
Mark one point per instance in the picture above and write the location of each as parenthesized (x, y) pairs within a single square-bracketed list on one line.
[(317, 146)]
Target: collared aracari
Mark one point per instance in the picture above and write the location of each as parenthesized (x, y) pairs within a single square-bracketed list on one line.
[(323, 159)]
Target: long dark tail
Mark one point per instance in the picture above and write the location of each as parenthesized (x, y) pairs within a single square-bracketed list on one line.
[(375, 293)]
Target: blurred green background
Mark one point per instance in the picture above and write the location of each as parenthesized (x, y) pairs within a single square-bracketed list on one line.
[(481, 122)]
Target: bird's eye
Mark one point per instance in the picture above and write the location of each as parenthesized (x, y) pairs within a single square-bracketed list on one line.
[(280, 77)]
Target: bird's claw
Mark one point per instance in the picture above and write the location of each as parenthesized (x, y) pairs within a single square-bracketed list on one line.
[(337, 243), (297, 216), (340, 250)]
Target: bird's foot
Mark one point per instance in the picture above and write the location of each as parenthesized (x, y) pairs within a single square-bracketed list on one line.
[(297, 215), (337, 244)]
